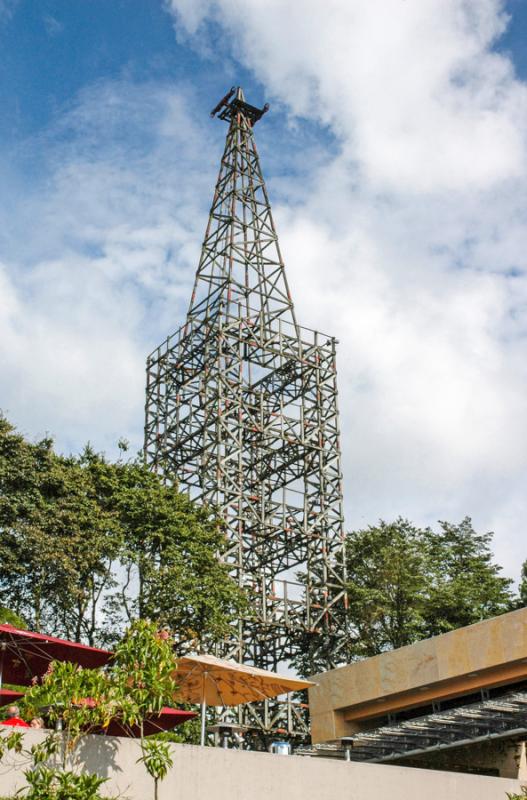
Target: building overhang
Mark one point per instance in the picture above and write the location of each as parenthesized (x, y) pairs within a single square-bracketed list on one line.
[(458, 664)]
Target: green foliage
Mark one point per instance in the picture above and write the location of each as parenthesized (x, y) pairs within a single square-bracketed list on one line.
[(8, 617), (57, 544), (138, 683), (170, 552), (523, 586), (157, 760), (467, 585), (387, 573), (47, 783), (521, 796), (141, 676), (72, 695), (142, 681), (12, 741), (71, 528), (407, 583)]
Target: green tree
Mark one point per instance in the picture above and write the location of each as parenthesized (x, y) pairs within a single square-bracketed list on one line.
[(387, 586), (407, 583), (171, 557), (465, 583), (8, 617), (138, 683), (57, 545), (522, 595), (88, 545)]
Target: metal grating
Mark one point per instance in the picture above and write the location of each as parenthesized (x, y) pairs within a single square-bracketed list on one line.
[(495, 718)]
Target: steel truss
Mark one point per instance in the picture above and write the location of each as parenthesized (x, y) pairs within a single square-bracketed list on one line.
[(241, 407)]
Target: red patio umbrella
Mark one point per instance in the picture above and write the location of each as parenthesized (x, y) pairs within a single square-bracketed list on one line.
[(8, 696), (165, 721), (24, 654)]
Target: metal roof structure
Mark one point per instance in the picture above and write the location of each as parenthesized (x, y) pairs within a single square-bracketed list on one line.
[(492, 718), (466, 665)]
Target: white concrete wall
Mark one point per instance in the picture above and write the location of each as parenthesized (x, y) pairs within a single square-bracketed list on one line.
[(215, 774)]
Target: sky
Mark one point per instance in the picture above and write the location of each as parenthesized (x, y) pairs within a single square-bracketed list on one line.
[(395, 153)]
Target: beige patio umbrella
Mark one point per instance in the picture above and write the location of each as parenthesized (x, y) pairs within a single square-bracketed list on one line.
[(213, 681)]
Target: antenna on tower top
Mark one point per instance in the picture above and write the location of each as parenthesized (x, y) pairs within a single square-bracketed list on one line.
[(228, 107)]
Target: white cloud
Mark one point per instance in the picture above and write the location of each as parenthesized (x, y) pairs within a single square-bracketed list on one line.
[(410, 243), (410, 86), (97, 257)]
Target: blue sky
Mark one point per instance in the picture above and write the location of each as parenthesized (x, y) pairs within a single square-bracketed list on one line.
[(51, 49), (514, 38), (396, 155)]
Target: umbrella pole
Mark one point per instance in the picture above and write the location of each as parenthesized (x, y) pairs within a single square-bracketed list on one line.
[(203, 721)]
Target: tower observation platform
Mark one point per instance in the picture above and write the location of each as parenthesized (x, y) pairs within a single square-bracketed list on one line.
[(241, 409)]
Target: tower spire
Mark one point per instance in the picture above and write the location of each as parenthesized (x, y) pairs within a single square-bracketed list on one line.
[(241, 271)]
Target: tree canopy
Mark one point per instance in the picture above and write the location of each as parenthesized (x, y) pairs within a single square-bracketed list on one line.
[(88, 545), (134, 687), (523, 586), (407, 583)]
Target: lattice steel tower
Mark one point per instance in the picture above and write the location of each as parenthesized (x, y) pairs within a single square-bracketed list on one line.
[(241, 406)]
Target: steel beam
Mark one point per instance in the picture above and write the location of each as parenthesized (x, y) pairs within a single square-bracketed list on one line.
[(241, 409)]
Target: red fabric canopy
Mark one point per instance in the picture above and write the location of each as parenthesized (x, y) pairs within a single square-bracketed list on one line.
[(167, 719), (8, 696), (24, 655)]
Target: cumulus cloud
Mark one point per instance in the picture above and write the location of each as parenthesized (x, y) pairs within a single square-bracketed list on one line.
[(409, 242), (402, 223), (412, 87), (97, 257)]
